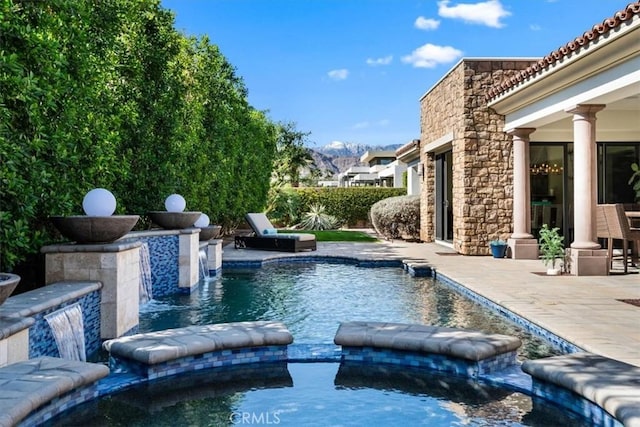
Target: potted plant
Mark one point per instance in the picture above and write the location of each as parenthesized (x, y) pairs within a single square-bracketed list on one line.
[(498, 248), (551, 248)]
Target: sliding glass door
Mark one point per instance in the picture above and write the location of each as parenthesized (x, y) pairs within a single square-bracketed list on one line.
[(444, 196)]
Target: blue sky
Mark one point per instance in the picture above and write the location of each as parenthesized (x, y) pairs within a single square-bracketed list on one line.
[(354, 70)]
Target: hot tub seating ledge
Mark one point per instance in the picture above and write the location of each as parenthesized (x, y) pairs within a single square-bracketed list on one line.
[(29, 388), (174, 351), (455, 350), (602, 383)]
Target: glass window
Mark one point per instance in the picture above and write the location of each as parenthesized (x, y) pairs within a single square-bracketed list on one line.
[(547, 174)]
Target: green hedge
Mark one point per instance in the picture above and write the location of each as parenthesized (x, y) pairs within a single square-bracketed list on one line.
[(350, 205), (109, 94)]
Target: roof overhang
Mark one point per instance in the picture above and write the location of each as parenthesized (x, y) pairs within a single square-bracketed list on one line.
[(605, 71), (370, 155)]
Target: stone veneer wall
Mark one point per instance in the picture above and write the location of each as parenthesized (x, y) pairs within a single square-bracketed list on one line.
[(482, 155)]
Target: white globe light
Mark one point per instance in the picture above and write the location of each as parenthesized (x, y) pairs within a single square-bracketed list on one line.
[(202, 222), (99, 202), (175, 203)]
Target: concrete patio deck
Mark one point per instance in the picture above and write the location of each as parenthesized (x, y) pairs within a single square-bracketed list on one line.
[(585, 311)]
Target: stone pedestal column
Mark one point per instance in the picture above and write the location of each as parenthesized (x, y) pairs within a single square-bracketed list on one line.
[(14, 341), (188, 258), (522, 243), (586, 256), (116, 265), (214, 256)]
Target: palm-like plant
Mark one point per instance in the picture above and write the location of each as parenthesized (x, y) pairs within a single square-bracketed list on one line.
[(551, 245), (318, 219)]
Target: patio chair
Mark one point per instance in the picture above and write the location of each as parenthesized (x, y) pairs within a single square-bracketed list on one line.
[(266, 237), (612, 223)]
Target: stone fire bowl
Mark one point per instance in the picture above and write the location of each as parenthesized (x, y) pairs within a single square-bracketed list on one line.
[(8, 283), (174, 220), (94, 229), (209, 232)]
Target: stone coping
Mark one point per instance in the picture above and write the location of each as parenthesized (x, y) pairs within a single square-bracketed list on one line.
[(161, 346), (28, 385), (123, 244), (206, 243), (12, 325), (50, 296), (609, 383), (459, 343)]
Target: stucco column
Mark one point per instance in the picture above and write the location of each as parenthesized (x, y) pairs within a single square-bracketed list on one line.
[(585, 184), (522, 243), (521, 184)]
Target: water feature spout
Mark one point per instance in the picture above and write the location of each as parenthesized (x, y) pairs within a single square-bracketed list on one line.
[(146, 285), (204, 269), (68, 331)]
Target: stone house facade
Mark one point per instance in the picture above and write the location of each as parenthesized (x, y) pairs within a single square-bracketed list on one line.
[(467, 187)]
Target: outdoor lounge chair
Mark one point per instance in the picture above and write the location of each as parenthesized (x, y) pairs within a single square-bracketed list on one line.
[(266, 237), (612, 223)]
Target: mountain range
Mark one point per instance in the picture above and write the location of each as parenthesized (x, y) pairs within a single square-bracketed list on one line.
[(338, 156)]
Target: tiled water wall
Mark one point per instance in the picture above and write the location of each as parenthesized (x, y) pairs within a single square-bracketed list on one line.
[(163, 254), (38, 303), (174, 259)]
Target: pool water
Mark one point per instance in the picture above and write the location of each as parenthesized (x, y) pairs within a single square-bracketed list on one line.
[(313, 298), (318, 394)]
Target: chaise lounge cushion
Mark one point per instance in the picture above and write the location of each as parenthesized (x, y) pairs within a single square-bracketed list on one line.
[(261, 225), (266, 237)]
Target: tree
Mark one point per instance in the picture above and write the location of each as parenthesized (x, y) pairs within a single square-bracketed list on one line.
[(292, 155)]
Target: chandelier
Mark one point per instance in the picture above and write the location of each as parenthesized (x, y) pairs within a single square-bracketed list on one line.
[(546, 169)]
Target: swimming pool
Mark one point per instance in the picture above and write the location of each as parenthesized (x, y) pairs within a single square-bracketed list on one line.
[(312, 299)]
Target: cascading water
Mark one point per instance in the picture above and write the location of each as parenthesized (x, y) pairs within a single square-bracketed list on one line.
[(68, 330), (146, 285), (204, 268)]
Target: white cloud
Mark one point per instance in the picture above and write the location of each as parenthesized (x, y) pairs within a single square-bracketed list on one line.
[(429, 56), (486, 13), (365, 125), (386, 60), (361, 125), (340, 74), (535, 27), (423, 23)]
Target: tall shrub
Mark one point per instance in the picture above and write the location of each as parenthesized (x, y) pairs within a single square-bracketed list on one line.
[(56, 136), (397, 217)]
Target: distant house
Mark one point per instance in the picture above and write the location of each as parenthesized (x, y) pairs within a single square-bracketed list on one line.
[(382, 170), (409, 154), (508, 145)]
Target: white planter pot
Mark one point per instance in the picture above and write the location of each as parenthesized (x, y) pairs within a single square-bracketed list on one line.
[(553, 271)]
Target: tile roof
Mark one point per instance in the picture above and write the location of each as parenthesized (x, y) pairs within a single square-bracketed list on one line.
[(598, 31)]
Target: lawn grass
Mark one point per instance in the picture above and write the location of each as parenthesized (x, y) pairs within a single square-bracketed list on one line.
[(336, 235)]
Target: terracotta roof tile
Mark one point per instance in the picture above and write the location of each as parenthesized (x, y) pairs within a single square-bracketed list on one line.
[(598, 30)]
